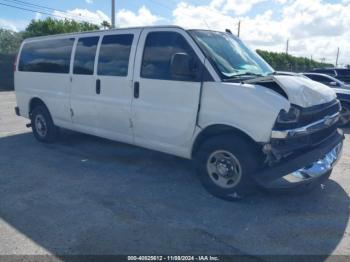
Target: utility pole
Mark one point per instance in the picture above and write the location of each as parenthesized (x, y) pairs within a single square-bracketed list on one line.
[(287, 47), (113, 14), (239, 28), (336, 61)]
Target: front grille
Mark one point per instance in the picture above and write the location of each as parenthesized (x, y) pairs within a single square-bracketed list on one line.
[(311, 115), (314, 114)]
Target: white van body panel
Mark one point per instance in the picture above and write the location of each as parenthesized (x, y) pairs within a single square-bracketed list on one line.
[(301, 91), (53, 89), (106, 114), (304, 91), (168, 115), (55, 94), (164, 115), (227, 103)]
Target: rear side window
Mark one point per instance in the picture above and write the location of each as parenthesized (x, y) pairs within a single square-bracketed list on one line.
[(114, 55), (158, 52), (48, 56), (85, 55)]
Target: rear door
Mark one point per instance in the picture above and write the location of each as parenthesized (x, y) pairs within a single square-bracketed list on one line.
[(164, 107), (114, 84)]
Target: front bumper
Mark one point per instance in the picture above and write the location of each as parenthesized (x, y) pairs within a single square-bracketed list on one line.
[(303, 167)]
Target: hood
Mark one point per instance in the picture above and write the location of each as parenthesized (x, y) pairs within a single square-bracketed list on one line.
[(300, 91)]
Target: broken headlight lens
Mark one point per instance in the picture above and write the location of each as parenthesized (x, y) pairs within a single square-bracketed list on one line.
[(292, 116)]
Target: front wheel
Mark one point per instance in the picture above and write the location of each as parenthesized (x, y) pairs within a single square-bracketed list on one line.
[(225, 165)]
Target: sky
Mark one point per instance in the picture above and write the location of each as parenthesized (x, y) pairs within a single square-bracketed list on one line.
[(315, 28)]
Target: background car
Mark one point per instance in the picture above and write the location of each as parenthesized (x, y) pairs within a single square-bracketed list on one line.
[(327, 80), (342, 74), (342, 89), (343, 93)]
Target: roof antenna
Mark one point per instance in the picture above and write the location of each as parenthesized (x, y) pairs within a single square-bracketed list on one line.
[(228, 31)]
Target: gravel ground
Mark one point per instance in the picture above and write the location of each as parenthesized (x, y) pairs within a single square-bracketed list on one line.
[(85, 195)]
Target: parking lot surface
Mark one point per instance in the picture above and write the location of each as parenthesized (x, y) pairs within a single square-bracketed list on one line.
[(86, 195)]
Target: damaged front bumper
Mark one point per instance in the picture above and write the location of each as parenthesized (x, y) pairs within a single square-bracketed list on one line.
[(304, 167)]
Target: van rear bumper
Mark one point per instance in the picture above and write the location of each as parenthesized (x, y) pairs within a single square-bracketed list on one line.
[(303, 167)]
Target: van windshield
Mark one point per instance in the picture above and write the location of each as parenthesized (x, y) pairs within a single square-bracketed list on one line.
[(230, 56)]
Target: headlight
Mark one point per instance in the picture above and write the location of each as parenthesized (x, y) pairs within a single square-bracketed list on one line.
[(292, 116)]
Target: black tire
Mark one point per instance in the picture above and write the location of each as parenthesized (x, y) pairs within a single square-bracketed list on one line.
[(43, 127), (344, 121), (245, 152)]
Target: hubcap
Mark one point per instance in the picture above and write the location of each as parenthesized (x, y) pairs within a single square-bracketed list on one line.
[(224, 169), (40, 125), (344, 116)]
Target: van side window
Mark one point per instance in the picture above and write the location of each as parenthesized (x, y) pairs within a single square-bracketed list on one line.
[(114, 55), (158, 53), (85, 55), (47, 56)]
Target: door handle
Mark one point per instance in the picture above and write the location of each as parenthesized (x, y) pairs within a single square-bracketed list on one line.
[(136, 89), (98, 86)]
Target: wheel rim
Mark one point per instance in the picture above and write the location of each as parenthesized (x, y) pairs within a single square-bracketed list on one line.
[(40, 125), (344, 116), (224, 169)]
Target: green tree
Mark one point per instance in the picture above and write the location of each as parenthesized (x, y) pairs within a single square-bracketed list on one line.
[(51, 26), (9, 41), (106, 25), (285, 62)]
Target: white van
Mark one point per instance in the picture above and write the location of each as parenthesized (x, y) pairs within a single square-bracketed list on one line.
[(197, 94)]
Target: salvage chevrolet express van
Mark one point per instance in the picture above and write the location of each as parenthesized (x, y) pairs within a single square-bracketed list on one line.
[(196, 94)]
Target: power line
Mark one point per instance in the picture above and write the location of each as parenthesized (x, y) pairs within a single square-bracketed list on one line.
[(30, 10), (35, 5), (46, 13), (65, 13)]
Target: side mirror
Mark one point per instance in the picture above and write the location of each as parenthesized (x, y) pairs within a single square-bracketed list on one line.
[(333, 83), (180, 65)]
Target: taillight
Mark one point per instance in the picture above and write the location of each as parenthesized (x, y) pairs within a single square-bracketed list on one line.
[(15, 64)]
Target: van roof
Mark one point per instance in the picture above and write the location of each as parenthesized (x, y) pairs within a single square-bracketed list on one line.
[(99, 31)]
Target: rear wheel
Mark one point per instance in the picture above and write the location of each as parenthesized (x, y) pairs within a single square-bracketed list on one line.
[(344, 119), (225, 165), (43, 127)]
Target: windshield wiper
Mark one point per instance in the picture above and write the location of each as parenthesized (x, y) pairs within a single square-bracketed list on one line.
[(239, 76), (248, 74)]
